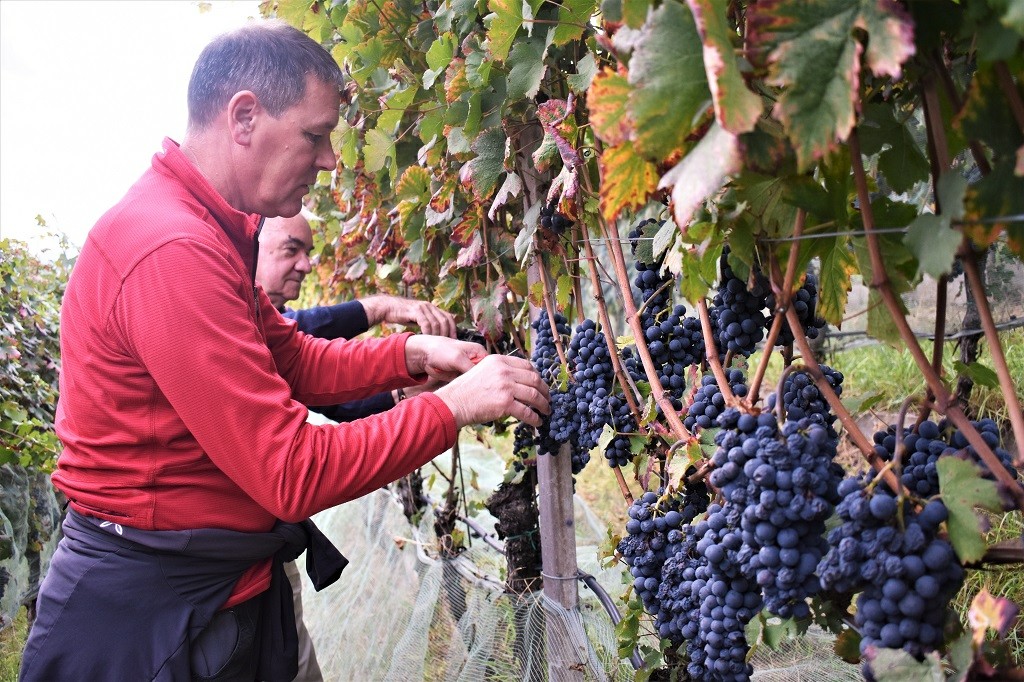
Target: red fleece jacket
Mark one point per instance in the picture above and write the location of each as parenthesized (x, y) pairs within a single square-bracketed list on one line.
[(182, 388)]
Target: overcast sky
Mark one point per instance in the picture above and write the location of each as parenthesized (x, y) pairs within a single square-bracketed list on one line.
[(88, 91)]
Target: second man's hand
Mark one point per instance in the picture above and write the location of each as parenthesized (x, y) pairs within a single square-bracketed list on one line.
[(498, 386), (428, 317)]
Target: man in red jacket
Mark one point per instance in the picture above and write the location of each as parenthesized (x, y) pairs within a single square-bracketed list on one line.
[(188, 462)]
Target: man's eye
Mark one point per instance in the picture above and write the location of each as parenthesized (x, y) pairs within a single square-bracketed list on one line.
[(313, 137)]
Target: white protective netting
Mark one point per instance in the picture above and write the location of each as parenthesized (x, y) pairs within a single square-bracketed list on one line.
[(400, 613)]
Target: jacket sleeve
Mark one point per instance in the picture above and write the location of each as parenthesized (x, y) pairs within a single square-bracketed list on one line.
[(340, 321), (185, 314)]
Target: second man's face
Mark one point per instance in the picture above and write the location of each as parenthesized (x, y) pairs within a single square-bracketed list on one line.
[(284, 258)]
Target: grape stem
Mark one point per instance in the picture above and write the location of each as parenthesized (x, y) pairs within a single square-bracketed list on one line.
[(827, 392), (945, 402), (660, 396), (780, 391), (782, 298), (546, 286), (711, 354)]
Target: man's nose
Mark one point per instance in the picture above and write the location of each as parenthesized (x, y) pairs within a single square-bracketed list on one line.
[(325, 158), (304, 265)]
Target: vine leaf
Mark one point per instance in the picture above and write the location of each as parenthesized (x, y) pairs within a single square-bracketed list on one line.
[(931, 238), (504, 21), (627, 180), (511, 188), (670, 88), (814, 57), (979, 373), (472, 254), (702, 172), (573, 16), (896, 665), (586, 69), (526, 62), (439, 56), (987, 612), (608, 100), (481, 173), (837, 268), (524, 240), (736, 107), (487, 315), (963, 489), (899, 156), (379, 149)]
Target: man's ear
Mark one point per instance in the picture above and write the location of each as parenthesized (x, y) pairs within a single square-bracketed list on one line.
[(243, 110)]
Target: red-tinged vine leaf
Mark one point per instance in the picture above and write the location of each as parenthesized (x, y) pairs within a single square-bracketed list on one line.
[(502, 24), (455, 83), (989, 612), (573, 16), (607, 101), (546, 153), (509, 189), (526, 69), (702, 172), (736, 107), (482, 172), (896, 665), (462, 232), (627, 180), (837, 268), (814, 56), (963, 489), (670, 88), (472, 254), (558, 121)]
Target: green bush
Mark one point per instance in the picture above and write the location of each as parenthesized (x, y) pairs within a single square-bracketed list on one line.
[(29, 353)]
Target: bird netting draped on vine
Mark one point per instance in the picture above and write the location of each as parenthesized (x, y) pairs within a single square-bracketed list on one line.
[(400, 613)]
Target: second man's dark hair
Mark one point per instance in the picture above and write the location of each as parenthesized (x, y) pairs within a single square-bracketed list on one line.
[(270, 58)]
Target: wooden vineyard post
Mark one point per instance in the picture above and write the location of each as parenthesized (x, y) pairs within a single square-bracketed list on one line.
[(566, 649)]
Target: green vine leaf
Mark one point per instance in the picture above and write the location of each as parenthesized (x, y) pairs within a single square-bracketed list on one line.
[(379, 149), (837, 268), (670, 88), (901, 159), (814, 56), (896, 665), (586, 70), (736, 107), (573, 16), (526, 62), (963, 489), (931, 238), (481, 174), (701, 173)]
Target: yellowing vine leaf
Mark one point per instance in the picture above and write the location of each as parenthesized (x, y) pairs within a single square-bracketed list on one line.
[(608, 100), (814, 56), (670, 88), (988, 612), (627, 180), (736, 107), (502, 24), (702, 172)]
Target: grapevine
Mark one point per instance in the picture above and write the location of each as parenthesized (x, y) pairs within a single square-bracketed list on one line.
[(499, 164)]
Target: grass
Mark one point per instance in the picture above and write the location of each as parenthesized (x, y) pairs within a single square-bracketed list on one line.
[(12, 642)]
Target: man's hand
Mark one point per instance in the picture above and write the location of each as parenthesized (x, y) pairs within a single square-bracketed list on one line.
[(498, 386), (441, 358), (427, 316)]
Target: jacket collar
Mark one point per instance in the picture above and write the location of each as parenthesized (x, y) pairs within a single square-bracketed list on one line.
[(240, 228)]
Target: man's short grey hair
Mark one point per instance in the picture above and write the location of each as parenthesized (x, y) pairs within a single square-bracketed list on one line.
[(270, 58)]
